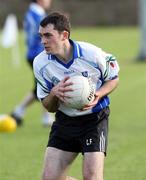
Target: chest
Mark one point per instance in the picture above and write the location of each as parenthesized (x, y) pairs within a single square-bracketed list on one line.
[(56, 71)]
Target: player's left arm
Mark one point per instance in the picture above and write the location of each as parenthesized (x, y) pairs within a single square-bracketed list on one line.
[(106, 89), (110, 69)]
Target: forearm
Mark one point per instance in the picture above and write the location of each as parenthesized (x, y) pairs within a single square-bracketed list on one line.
[(107, 88), (50, 102)]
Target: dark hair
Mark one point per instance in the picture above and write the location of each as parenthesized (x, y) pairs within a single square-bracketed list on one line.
[(33, 0), (60, 21)]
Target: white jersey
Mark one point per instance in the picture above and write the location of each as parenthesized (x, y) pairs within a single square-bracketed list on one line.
[(88, 60)]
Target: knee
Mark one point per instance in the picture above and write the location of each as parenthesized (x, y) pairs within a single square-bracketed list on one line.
[(50, 175), (47, 176), (92, 174), (89, 175)]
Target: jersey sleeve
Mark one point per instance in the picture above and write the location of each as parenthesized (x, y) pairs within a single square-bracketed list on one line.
[(108, 66), (42, 86)]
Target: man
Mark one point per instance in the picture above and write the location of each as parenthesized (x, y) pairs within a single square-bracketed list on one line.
[(73, 131), (34, 15)]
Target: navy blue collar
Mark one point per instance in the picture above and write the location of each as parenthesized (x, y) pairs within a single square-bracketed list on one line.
[(77, 52)]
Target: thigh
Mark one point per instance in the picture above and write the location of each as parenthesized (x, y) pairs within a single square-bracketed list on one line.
[(56, 162), (93, 165)]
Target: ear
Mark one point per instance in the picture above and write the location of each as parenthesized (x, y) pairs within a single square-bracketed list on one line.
[(65, 35)]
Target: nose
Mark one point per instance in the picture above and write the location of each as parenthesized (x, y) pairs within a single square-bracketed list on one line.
[(43, 40)]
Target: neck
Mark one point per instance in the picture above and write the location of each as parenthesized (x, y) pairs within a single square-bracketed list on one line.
[(66, 53)]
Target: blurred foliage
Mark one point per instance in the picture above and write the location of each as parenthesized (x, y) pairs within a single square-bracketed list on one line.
[(83, 12)]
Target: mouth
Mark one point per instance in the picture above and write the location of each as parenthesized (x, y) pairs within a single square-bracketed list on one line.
[(47, 49)]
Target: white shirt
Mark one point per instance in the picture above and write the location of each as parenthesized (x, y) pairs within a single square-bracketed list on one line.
[(88, 60)]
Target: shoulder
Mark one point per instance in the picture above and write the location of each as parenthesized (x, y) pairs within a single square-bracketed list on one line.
[(90, 50), (34, 14), (40, 60), (88, 46)]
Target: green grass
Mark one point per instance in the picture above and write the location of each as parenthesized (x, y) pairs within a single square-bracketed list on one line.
[(21, 153)]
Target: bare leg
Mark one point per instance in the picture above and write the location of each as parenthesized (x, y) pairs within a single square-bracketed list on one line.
[(20, 109), (28, 99), (93, 166), (56, 164)]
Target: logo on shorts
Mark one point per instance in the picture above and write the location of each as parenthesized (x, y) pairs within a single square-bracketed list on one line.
[(89, 142)]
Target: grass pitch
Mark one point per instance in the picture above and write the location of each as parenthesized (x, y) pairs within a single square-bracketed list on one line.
[(22, 152)]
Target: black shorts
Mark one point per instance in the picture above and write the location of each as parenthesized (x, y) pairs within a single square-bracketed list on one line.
[(87, 133)]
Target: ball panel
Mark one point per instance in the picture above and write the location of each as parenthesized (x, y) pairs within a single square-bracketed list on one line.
[(82, 94)]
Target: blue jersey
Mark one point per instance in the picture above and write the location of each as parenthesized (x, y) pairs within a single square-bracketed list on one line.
[(32, 20), (88, 60)]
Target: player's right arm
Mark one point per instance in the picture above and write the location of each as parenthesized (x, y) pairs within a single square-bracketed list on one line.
[(48, 93), (51, 102)]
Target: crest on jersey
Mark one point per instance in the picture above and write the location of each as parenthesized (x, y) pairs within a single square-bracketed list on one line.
[(112, 64), (55, 80), (85, 73)]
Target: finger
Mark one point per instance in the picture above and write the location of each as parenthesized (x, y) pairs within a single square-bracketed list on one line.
[(60, 93), (65, 79), (84, 109), (67, 96), (87, 108), (67, 84), (91, 104), (66, 89), (60, 97), (62, 100)]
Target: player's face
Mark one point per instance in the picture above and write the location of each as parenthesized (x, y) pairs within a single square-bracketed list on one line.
[(51, 39)]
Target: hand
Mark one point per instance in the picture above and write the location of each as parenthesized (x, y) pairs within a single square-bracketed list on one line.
[(60, 89), (93, 103)]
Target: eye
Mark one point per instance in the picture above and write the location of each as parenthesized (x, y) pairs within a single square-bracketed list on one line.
[(47, 35)]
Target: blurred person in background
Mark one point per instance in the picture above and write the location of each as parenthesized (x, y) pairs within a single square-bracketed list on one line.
[(35, 13)]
